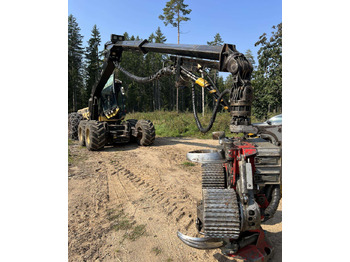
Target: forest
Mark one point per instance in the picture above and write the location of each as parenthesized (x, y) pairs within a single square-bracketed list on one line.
[(85, 63)]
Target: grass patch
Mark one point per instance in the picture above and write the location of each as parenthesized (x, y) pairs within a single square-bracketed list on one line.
[(169, 260), (186, 163), (70, 158), (172, 124), (122, 222), (157, 250), (136, 233)]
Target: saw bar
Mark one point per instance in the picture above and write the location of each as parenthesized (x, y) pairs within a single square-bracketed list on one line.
[(213, 175), (221, 213)]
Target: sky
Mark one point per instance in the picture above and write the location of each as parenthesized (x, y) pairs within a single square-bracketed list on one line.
[(238, 22)]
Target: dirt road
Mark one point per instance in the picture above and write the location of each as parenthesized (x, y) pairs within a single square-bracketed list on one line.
[(126, 203)]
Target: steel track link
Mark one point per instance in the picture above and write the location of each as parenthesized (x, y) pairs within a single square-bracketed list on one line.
[(221, 213), (213, 175)]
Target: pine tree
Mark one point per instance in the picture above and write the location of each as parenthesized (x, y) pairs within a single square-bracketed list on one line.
[(93, 60), (75, 65), (174, 13)]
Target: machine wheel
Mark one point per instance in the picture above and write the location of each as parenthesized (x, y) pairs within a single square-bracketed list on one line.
[(73, 123), (145, 132), (81, 132), (95, 135)]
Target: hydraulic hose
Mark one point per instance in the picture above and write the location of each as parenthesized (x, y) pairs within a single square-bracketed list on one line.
[(199, 125), (275, 200), (164, 71)]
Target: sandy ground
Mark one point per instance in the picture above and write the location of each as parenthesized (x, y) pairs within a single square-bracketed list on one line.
[(126, 203)]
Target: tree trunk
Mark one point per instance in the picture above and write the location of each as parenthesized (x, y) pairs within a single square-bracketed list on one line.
[(178, 26)]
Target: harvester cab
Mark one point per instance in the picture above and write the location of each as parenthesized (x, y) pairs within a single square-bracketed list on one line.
[(113, 99)]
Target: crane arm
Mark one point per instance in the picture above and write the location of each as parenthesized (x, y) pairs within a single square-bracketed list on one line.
[(224, 58)]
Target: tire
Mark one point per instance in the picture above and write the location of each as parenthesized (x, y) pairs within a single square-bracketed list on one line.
[(73, 123), (132, 122), (95, 135), (145, 132), (81, 132)]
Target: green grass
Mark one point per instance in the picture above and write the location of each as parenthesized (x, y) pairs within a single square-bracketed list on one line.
[(172, 124), (186, 163), (157, 250), (70, 158), (183, 124), (122, 222), (136, 233)]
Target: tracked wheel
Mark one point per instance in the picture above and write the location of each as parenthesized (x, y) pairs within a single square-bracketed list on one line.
[(221, 213), (73, 123), (95, 135), (81, 132), (145, 132)]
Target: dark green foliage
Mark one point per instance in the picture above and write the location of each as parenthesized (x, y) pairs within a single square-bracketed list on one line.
[(151, 96), (217, 40), (267, 78), (93, 62), (75, 65), (214, 74), (161, 94)]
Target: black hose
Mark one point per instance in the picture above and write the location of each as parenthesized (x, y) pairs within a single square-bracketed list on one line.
[(199, 125), (147, 79), (275, 200)]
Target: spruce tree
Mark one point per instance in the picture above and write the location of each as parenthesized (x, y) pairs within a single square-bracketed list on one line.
[(159, 37), (217, 40), (75, 65), (93, 61)]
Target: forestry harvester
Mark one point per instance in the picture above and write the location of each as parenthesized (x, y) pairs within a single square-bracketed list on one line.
[(241, 184)]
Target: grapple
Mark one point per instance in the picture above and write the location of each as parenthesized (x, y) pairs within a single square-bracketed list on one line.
[(240, 190)]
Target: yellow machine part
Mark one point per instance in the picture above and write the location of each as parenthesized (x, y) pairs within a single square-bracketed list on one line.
[(84, 112), (114, 113), (202, 82)]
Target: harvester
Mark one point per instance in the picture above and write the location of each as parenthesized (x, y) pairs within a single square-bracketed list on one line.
[(240, 181)]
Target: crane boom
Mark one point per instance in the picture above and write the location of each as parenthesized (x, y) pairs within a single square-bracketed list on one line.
[(224, 58)]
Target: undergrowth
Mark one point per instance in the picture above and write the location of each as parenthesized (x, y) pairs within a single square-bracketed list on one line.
[(183, 124), (172, 124)]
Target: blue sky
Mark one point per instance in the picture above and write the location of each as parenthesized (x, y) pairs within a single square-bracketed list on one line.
[(238, 22)]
